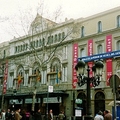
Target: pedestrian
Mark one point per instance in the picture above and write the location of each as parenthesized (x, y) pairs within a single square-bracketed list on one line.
[(38, 115), (17, 114), (107, 115), (99, 116), (12, 115), (50, 115), (27, 114), (61, 116), (3, 115), (8, 114), (23, 114), (64, 116)]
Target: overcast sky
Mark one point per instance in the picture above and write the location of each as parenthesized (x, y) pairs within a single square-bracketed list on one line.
[(9, 9)]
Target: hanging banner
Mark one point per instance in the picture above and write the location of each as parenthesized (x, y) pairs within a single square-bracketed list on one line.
[(90, 53), (108, 61), (74, 62), (5, 78)]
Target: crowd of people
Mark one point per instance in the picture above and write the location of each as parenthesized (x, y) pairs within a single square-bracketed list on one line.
[(26, 115), (106, 115)]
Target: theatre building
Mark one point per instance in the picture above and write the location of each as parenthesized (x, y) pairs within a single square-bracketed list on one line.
[(38, 69)]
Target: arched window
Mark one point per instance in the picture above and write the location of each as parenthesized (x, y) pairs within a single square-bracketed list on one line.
[(118, 45), (82, 31), (118, 21), (99, 26), (55, 72), (82, 52), (36, 43), (99, 49)]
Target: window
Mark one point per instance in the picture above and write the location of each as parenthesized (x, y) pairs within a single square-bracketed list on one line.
[(65, 52), (64, 73), (118, 21), (10, 84), (82, 31), (40, 43), (43, 79), (99, 26), (36, 43), (63, 35), (118, 45), (54, 76), (4, 53), (50, 40), (26, 78), (56, 38), (99, 49), (82, 52), (16, 49), (59, 37)]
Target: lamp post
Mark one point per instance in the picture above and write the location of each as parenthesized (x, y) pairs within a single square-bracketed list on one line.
[(95, 81)]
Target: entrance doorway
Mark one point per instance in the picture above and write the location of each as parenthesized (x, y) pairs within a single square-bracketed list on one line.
[(99, 102), (82, 96), (54, 107)]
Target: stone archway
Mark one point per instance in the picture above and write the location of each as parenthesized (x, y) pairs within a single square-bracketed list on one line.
[(99, 102), (82, 96)]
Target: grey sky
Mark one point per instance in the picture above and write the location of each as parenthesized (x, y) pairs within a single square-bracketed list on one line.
[(70, 9)]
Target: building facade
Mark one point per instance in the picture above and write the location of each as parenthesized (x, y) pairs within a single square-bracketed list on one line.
[(37, 70)]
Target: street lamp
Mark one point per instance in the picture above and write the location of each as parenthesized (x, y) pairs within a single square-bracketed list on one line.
[(95, 81)]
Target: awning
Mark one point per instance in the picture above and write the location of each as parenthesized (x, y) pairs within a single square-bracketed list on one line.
[(112, 103), (39, 94)]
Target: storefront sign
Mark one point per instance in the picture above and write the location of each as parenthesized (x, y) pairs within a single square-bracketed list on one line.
[(52, 100), (29, 100), (78, 101)]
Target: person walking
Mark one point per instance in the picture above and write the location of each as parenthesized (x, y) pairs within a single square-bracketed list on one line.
[(8, 115), (17, 114), (99, 116), (38, 115), (107, 115), (27, 114), (3, 115), (12, 115), (50, 115), (61, 116)]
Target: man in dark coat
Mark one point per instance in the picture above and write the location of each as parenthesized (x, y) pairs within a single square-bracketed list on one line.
[(38, 115), (8, 115)]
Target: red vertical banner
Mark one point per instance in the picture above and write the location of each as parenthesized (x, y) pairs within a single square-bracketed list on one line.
[(108, 61), (74, 62), (90, 52), (5, 78)]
